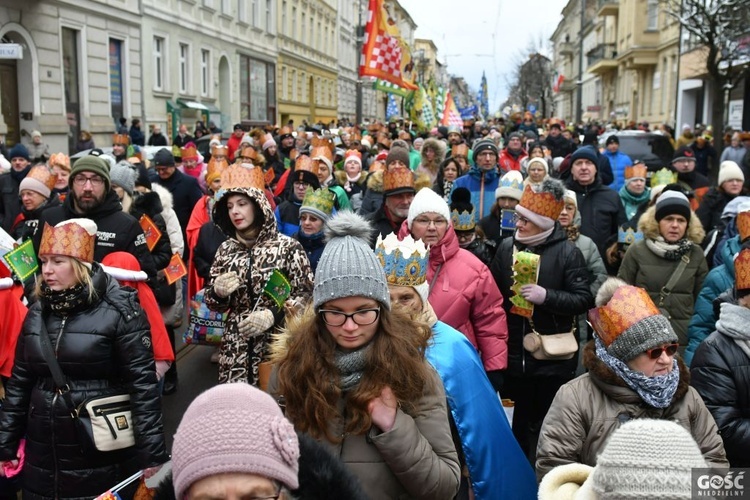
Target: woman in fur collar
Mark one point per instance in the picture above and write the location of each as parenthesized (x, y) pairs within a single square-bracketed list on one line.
[(672, 234)]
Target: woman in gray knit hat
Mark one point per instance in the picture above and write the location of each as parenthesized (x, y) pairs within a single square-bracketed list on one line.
[(352, 373), (633, 373)]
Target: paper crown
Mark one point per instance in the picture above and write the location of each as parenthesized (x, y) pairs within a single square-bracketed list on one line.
[(247, 151), (463, 221), (628, 306), (219, 150), (189, 152), (742, 270), (384, 140), (355, 136), (43, 174), (460, 150), (69, 239), (122, 139), (176, 152), (60, 160), (322, 148), (237, 177), (305, 163), (628, 237), (320, 200), (404, 262), (352, 153), (639, 170), (542, 203), (743, 225), (663, 177), (285, 131), (512, 180), (216, 166), (398, 178)]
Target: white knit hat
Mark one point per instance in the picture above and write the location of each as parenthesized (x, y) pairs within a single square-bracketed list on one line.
[(571, 196), (728, 171), (425, 201), (541, 161)]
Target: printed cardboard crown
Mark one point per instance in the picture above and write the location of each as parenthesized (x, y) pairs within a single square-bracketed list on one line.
[(305, 163), (237, 177), (628, 305), (219, 150), (43, 174), (542, 203), (743, 225), (397, 178), (319, 199), (122, 139), (70, 240), (663, 177), (628, 237), (404, 261), (463, 221), (742, 269), (60, 160), (247, 151), (189, 152), (639, 170), (321, 147)]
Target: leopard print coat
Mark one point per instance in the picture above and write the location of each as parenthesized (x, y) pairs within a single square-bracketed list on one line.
[(240, 357)]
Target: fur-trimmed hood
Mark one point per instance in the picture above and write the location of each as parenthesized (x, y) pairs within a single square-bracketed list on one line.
[(167, 201), (221, 216), (439, 147), (648, 225), (616, 388), (375, 181), (340, 176)]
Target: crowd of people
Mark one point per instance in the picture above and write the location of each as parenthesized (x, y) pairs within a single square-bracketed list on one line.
[(459, 313)]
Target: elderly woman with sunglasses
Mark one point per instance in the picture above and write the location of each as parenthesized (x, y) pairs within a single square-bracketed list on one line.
[(633, 372)]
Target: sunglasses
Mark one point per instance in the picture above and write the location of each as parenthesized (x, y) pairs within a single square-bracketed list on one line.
[(655, 353)]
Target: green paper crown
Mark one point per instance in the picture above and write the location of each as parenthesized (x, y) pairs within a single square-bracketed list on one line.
[(663, 177), (319, 200)]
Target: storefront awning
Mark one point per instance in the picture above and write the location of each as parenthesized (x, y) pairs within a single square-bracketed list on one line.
[(191, 105)]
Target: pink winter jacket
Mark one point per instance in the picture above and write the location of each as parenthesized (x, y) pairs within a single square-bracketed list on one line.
[(466, 297)]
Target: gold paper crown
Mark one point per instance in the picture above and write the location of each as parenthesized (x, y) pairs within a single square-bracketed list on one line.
[(352, 153), (321, 147), (742, 270), (743, 225), (304, 162), (60, 160), (247, 151), (543, 203), (397, 178), (321, 200), (43, 174), (404, 136), (639, 170), (628, 305), (285, 131), (70, 240), (463, 221), (219, 150), (189, 152), (238, 177), (122, 139), (215, 168), (663, 177), (356, 136), (176, 152), (384, 140), (404, 262), (460, 150)]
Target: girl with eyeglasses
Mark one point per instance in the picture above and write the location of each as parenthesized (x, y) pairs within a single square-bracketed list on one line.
[(352, 373), (634, 372)]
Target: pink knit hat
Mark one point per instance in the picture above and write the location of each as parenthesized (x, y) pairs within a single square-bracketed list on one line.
[(234, 428)]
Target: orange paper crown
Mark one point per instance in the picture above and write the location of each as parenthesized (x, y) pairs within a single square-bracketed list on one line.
[(43, 174), (639, 170), (321, 147), (285, 131), (60, 160), (460, 150), (237, 177), (189, 152), (219, 150), (123, 139), (304, 162), (742, 270), (352, 153), (384, 140), (543, 203), (628, 306), (743, 225), (70, 240), (397, 178), (247, 151), (215, 168)]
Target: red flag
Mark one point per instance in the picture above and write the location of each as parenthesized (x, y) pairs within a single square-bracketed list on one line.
[(451, 116), (384, 54)]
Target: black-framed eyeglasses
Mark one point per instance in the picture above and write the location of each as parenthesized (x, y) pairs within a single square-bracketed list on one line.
[(363, 317), (81, 180), (655, 353)]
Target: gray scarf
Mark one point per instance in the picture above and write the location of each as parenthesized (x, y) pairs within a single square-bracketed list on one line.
[(733, 322), (669, 251), (351, 365), (654, 391)]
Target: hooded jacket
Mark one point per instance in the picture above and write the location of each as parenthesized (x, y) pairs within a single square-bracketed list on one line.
[(464, 295), (482, 185), (508, 161), (587, 410), (254, 265), (10, 203), (563, 273), (642, 267), (116, 230), (103, 348), (440, 148)]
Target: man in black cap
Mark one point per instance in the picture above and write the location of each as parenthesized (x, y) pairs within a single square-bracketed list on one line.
[(185, 189), (696, 184), (10, 202), (233, 144), (556, 143), (483, 178)]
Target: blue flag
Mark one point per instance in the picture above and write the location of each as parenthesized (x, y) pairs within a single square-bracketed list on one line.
[(392, 109), (483, 98)]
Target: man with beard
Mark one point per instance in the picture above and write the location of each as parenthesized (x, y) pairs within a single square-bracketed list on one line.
[(91, 196), (556, 142), (10, 203)]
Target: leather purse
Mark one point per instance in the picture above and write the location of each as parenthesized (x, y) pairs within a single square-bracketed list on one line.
[(554, 347)]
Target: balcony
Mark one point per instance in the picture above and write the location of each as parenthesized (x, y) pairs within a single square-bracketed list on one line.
[(602, 58), (568, 86), (565, 48), (608, 8)]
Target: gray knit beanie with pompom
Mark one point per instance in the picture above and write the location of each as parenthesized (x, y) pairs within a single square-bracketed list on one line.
[(348, 266)]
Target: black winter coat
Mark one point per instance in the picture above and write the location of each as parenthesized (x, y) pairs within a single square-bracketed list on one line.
[(711, 207), (720, 372), (116, 230), (313, 246), (29, 226), (210, 238), (383, 225), (563, 273), (10, 203), (602, 212), (104, 348), (185, 192)]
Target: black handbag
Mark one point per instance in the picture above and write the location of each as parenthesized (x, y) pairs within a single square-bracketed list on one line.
[(104, 423)]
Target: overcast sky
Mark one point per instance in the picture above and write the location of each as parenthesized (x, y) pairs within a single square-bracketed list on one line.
[(463, 32)]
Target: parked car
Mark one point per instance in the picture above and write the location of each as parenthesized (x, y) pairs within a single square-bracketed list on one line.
[(651, 148)]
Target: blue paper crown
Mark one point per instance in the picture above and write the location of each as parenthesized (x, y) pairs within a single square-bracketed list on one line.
[(404, 262), (628, 237), (463, 221)]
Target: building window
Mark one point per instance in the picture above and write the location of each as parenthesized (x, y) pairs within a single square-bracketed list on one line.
[(303, 34), (115, 79), (269, 16), (255, 15), (257, 90), (205, 67), (71, 42), (242, 11), (284, 28), (208, 3), (293, 33), (226, 7), (652, 14), (184, 61), (294, 85), (319, 37), (159, 83), (284, 82)]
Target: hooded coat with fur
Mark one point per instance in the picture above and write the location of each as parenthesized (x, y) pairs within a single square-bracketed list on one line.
[(239, 356), (431, 168), (642, 267), (590, 408)]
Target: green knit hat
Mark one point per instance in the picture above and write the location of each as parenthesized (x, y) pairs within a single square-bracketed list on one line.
[(93, 164)]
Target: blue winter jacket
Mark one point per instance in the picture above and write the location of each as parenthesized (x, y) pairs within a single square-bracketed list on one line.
[(618, 161), (718, 280), (482, 185)]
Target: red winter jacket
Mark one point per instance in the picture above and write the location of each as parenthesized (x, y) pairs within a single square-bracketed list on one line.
[(507, 162), (466, 297)]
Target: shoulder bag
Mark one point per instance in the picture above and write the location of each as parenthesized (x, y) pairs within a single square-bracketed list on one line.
[(104, 423), (667, 289), (554, 347)]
